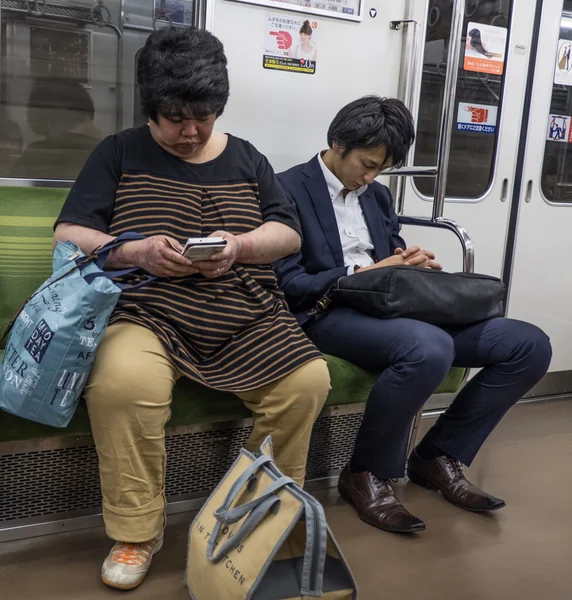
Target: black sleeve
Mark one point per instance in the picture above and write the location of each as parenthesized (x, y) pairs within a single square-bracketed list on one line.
[(92, 197), (275, 203)]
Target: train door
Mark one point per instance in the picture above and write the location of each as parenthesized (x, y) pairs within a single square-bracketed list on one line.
[(510, 176), (541, 277), (493, 61)]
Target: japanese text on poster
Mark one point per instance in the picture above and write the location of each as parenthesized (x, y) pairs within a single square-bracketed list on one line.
[(563, 71), (290, 44), (485, 48), (350, 10), (478, 118)]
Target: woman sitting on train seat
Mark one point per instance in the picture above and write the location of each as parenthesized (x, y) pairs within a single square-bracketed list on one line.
[(221, 322), (349, 225)]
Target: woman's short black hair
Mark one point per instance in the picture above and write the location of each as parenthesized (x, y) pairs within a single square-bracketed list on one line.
[(306, 28), (182, 73), (373, 122)]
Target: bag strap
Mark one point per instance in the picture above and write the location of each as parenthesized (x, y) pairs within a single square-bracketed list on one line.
[(99, 256), (312, 581), (91, 277), (256, 516), (314, 560), (239, 512), (102, 252), (243, 479), (257, 508)]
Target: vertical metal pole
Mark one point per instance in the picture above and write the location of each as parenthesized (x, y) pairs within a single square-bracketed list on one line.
[(448, 112), (119, 91), (199, 18)]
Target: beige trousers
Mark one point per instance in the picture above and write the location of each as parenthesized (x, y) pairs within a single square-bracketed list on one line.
[(129, 396)]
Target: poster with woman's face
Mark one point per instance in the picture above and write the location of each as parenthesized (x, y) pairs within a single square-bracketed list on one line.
[(485, 48), (290, 43)]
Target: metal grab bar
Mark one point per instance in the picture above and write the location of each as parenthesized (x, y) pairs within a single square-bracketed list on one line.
[(440, 172), (447, 115), (458, 230), (448, 111), (411, 172), (437, 220), (406, 86)]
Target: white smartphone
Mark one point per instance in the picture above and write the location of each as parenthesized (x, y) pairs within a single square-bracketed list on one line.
[(200, 248), (203, 248)]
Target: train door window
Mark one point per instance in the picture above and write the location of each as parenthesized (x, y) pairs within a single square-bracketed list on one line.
[(556, 178), (479, 95)]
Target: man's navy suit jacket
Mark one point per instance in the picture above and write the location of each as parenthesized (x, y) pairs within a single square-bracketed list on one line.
[(306, 276)]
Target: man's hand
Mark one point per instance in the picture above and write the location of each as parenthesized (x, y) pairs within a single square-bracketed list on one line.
[(156, 256), (412, 257), (219, 262), (414, 253)]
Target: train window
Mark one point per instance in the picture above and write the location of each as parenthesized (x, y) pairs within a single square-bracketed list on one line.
[(67, 78), (556, 178), (479, 97)]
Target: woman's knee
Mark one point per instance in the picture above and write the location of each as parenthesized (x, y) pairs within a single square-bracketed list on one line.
[(125, 375), (303, 392), (315, 384)]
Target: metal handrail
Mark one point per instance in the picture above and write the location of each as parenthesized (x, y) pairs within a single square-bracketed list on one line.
[(448, 111), (443, 223), (406, 87), (441, 171), (412, 172)]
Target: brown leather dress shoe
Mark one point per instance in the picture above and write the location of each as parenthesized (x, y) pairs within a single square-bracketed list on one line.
[(445, 474), (376, 503)]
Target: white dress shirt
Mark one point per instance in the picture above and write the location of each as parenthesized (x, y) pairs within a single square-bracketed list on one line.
[(354, 234)]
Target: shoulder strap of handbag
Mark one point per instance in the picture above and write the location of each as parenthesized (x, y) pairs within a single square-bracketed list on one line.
[(99, 256)]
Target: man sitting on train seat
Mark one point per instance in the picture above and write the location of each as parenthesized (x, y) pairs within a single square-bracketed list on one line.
[(349, 225)]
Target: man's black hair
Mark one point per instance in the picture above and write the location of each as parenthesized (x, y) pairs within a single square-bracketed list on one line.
[(182, 73), (373, 122)]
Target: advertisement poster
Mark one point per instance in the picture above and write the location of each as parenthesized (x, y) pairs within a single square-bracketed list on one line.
[(563, 71), (176, 12), (349, 10), (290, 44), (479, 118), (485, 48), (559, 129)]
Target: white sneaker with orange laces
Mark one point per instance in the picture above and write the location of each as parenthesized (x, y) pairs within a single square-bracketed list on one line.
[(127, 564)]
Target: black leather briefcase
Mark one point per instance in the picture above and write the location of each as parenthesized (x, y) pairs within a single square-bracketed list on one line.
[(437, 297)]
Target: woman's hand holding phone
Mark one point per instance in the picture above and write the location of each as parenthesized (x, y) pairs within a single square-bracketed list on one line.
[(220, 262)]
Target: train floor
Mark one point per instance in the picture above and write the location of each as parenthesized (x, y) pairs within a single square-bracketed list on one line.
[(522, 552)]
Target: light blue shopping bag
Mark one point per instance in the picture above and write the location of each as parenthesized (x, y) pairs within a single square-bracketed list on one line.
[(52, 342)]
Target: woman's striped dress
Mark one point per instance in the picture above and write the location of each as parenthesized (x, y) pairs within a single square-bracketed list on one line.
[(230, 333)]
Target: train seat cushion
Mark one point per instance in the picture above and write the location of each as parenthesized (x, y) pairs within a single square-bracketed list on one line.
[(26, 219)]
